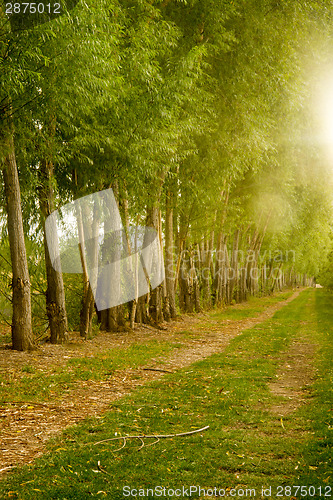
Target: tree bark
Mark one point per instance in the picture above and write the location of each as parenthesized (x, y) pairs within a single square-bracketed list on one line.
[(113, 318), (21, 328), (233, 281), (156, 296), (55, 293), (87, 306), (169, 260), (205, 272)]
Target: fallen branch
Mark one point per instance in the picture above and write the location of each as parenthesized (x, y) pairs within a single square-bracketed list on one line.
[(157, 370), (6, 468), (100, 468), (34, 403), (150, 436)]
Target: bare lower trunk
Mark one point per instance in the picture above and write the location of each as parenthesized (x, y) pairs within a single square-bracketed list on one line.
[(156, 296), (141, 313), (219, 282), (55, 293), (233, 282), (88, 301), (113, 317), (22, 337), (189, 296), (55, 302), (206, 259), (169, 261)]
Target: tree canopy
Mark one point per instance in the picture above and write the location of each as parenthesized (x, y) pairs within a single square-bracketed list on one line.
[(201, 116)]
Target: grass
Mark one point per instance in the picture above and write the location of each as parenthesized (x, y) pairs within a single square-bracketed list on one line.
[(251, 308), (246, 446), (319, 451), (33, 384)]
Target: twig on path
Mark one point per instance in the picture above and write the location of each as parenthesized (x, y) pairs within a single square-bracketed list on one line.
[(150, 436), (9, 467), (34, 403), (157, 370), (100, 468)]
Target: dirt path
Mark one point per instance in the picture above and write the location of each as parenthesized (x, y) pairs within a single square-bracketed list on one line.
[(25, 428), (294, 376)]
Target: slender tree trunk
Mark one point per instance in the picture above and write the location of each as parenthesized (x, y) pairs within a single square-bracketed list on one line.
[(91, 233), (55, 293), (156, 296), (22, 336), (206, 260), (134, 265), (220, 268), (113, 318), (234, 267), (55, 301), (185, 284), (195, 277), (276, 278), (169, 253)]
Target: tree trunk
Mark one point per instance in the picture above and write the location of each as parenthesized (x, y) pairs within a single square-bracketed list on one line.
[(135, 263), (169, 261), (276, 278), (220, 270), (87, 233), (113, 318), (22, 336), (189, 299), (185, 288), (196, 284), (156, 296), (55, 293), (205, 271), (233, 281)]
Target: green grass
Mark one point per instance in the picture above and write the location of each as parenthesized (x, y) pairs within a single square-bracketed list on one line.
[(319, 450), (251, 308), (34, 384), (5, 338), (246, 446)]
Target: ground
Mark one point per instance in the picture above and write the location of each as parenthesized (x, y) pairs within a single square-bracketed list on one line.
[(25, 427)]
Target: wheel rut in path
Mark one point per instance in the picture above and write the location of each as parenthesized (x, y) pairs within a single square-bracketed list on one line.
[(26, 427), (294, 377)]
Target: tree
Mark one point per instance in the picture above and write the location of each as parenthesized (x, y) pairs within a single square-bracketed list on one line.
[(22, 337)]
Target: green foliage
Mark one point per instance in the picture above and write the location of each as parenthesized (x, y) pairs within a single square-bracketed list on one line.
[(207, 99), (73, 285), (325, 275)]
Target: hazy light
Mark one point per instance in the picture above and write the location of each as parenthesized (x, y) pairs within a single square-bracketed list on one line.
[(324, 111), (327, 116)]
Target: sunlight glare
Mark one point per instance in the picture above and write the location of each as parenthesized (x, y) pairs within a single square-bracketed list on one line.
[(325, 111)]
